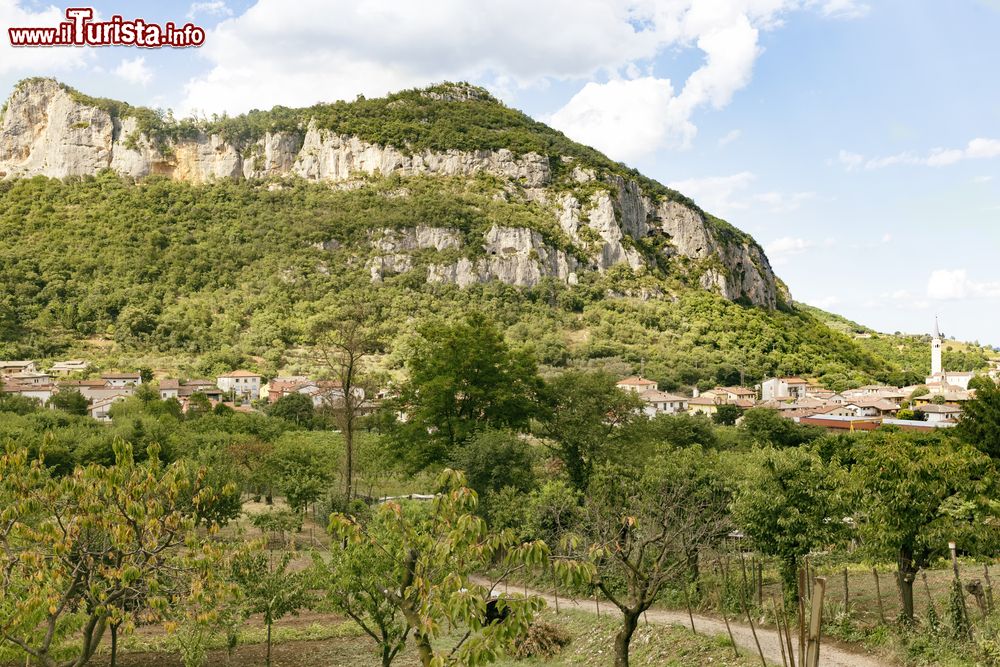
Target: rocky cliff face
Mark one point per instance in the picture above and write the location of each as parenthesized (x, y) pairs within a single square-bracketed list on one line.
[(47, 130)]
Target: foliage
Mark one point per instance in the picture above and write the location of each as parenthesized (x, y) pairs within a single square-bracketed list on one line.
[(913, 496), (788, 502), (462, 377), (72, 402), (104, 545), (766, 426), (493, 460), (583, 418), (980, 423), (426, 555), (295, 407)]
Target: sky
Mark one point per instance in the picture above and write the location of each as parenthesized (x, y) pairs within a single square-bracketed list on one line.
[(857, 140)]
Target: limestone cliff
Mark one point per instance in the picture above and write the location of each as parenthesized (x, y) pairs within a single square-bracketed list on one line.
[(607, 218)]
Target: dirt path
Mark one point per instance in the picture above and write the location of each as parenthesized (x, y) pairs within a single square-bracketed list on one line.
[(830, 655)]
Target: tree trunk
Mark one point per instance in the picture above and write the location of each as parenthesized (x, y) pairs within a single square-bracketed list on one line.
[(114, 644), (907, 572), (424, 647), (623, 639), (790, 580), (348, 456), (268, 645)]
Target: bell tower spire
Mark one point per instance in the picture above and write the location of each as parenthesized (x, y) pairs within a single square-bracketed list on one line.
[(936, 350)]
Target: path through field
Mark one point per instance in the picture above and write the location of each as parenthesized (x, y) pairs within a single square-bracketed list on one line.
[(830, 656)]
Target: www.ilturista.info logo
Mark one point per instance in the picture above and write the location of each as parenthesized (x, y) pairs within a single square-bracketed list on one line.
[(81, 30)]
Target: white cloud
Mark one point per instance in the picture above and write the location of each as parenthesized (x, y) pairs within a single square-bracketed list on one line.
[(716, 193), (278, 53), (825, 302), (729, 137), (217, 8), (135, 71), (780, 250), (843, 9), (779, 202), (955, 284), (982, 179), (887, 238), (28, 61), (977, 149)]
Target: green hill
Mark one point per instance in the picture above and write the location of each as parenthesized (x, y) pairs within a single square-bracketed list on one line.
[(142, 252)]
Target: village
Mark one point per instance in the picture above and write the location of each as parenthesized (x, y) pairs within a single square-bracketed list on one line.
[(937, 403)]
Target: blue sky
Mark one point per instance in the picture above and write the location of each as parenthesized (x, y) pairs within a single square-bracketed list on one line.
[(857, 140)]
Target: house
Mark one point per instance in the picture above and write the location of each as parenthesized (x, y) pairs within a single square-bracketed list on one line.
[(280, 386), (702, 405), (12, 367), (240, 383), (941, 413), (731, 394), (29, 378), (877, 406), (100, 410), (169, 388), (183, 389), (94, 390), (662, 403), (63, 368), (834, 422), (122, 379), (783, 388), (40, 392), (639, 385)]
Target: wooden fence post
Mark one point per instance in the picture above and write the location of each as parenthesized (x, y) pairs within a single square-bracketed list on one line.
[(878, 596), (958, 585), (802, 616), (930, 598), (847, 598), (989, 588), (781, 638), (816, 622)]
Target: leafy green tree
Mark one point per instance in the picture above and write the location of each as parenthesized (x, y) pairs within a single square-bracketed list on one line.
[(296, 408), (462, 378), (980, 423), (912, 496), (584, 416), (493, 460), (421, 559), (270, 589), (727, 414), (198, 405), (766, 426), (72, 402), (789, 502), (302, 470)]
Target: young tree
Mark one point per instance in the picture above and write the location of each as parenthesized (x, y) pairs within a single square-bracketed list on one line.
[(462, 378), (344, 341), (637, 531), (420, 559), (765, 427), (788, 502), (727, 414), (584, 413), (84, 545), (72, 402), (273, 592), (913, 496), (198, 405)]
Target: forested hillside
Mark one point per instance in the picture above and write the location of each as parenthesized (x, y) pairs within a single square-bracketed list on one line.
[(209, 244)]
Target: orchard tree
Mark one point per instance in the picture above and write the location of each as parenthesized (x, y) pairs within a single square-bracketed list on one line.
[(104, 545), (493, 460), (584, 416), (420, 560), (765, 426), (270, 589), (788, 502), (913, 495), (636, 533)]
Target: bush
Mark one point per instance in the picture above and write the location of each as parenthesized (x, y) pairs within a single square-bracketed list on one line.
[(544, 640)]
